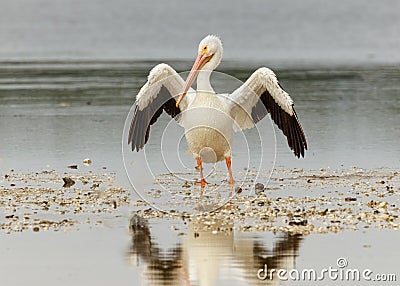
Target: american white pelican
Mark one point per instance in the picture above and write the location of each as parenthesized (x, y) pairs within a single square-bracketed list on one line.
[(209, 119)]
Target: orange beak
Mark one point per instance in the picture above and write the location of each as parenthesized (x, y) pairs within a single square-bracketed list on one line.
[(201, 60)]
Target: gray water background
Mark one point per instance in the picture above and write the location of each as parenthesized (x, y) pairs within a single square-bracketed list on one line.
[(290, 32)]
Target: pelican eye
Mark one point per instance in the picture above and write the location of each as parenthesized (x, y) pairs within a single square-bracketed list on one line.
[(205, 49)]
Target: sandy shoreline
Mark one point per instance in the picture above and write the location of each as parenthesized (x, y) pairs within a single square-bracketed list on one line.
[(295, 201), (48, 200)]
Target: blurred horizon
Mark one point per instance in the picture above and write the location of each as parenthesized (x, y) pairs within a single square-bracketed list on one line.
[(309, 32)]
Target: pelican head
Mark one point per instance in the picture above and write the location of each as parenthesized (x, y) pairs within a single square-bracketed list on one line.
[(208, 58), (210, 51)]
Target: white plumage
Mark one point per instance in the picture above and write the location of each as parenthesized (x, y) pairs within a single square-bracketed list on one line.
[(160, 75), (208, 123), (210, 119)]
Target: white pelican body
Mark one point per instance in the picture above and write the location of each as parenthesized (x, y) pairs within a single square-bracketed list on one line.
[(210, 119), (208, 137)]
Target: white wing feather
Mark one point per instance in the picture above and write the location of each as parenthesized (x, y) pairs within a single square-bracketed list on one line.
[(163, 75), (243, 99), (163, 85)]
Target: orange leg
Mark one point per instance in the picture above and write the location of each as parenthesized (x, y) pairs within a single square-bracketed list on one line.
[(202, 182), (228, 164)]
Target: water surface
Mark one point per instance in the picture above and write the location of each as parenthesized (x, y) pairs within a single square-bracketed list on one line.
[(54, 114)]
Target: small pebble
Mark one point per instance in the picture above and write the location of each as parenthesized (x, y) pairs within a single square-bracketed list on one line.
[(186, 185), (94, 186), (68, 182), (259, 188)]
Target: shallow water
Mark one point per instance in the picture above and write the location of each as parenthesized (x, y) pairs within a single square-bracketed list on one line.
[(54, 114), (58, 113)]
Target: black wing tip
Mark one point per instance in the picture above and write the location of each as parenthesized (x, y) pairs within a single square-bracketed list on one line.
[(303, 147), (300, 136), (289, 124), (135, 147), (298, 154)]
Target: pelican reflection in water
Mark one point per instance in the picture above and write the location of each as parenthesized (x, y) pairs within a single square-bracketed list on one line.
[(203, 256)]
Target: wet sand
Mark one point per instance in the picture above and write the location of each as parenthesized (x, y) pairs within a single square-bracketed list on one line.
[(295, 201), (48, 200), (318, 202)]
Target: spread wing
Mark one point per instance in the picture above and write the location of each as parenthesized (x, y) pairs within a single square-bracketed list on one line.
[(262, 94), (159, 94)]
